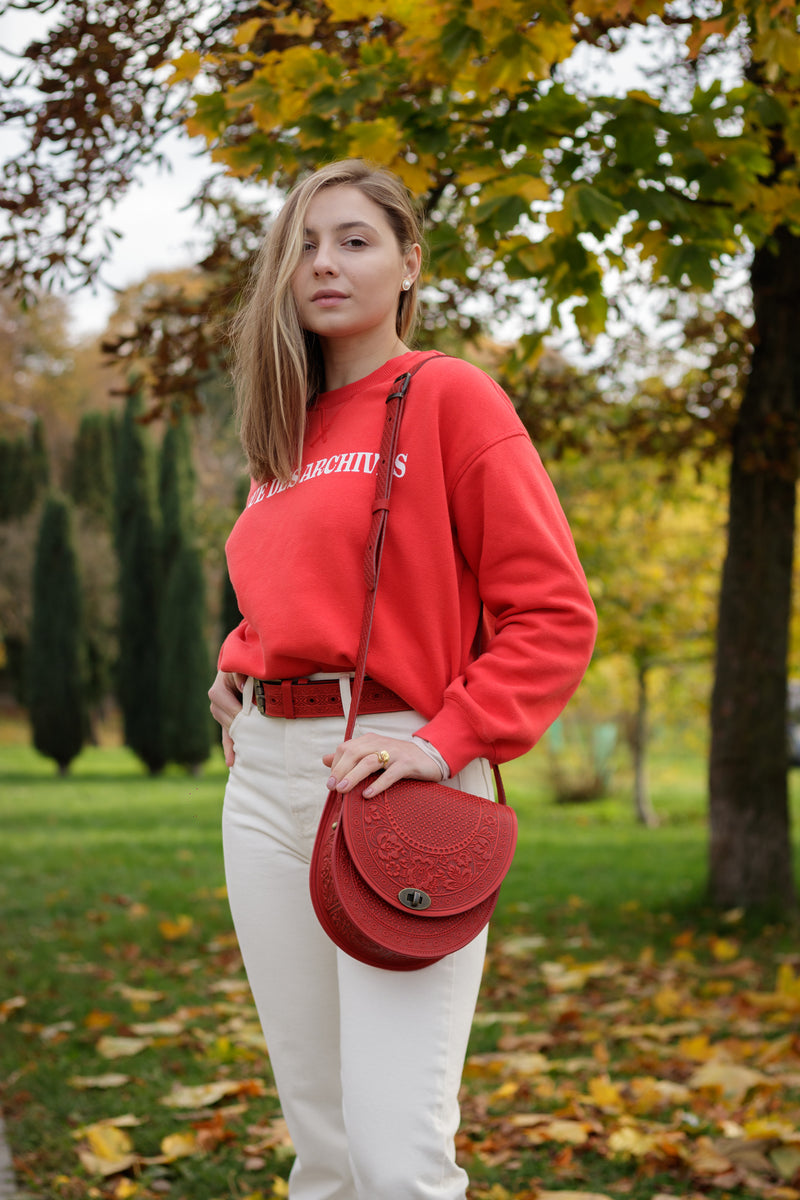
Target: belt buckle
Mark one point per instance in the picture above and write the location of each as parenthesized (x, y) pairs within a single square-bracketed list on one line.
[(261, 700)]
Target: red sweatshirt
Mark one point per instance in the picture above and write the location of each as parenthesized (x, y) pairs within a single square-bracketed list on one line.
[(474, 518)]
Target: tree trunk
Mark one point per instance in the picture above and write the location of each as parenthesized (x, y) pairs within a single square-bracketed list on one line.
[(645, 813), (750, 849)]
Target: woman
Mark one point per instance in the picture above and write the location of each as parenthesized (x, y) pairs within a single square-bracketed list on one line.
[(368, 1062)]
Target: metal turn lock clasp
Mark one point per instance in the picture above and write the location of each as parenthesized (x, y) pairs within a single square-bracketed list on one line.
[(414, 898)]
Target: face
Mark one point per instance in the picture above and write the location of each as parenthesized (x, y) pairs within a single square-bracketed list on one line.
[(351, 274)]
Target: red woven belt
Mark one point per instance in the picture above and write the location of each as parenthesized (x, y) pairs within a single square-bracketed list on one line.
[(293, 698)]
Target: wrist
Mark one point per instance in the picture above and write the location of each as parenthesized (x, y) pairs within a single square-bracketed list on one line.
[(433, 753)]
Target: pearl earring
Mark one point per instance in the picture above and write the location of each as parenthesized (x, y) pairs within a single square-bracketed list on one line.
[(406, 284)]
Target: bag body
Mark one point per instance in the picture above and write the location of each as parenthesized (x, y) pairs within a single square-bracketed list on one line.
[(412, 874)]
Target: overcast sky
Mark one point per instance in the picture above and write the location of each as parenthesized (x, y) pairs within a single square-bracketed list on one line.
[(156, 233)]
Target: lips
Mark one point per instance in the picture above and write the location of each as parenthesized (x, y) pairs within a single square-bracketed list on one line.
[(328, 294)]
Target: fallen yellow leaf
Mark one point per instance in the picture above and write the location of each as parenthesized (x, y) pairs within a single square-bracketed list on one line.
[(605, 1094), (96, 1165), (787, 983), (772, 1127), (180, 1145), (173, 930), (730, 1079), (574, 1133), (125, 1189), (500, 1018), (108, 1141), (705, 1160), (204, 1094), (124, 1121), (648, 1093), (698, 1049), (122, 1047), (572, 977), (98, 1020), (136, 995), (629, 1142), (669, 1002), (542, 1127), (168, 1027), (724, 949), (7, 1007), (559, 1195), (110, 1080), (660, 1033), (786, 1160), (109, 1151), (516, 1063)]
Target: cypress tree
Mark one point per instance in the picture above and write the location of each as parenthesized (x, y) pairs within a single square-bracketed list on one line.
[(140, 666), (92, 468), (176, 482), (24, 472), (6, 479), (56, 683), (22, 484), (187, 726), (91, 485), (40, 462), (187, 670)]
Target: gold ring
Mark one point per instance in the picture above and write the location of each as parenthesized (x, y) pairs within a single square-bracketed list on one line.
[(383, 758)]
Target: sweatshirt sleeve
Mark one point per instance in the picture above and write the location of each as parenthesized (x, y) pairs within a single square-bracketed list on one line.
[(515, 538)]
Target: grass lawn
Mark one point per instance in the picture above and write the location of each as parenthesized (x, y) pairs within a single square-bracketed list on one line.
[(628, 1042)]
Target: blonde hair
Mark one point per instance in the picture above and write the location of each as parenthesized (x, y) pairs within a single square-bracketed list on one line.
[(278, 369)]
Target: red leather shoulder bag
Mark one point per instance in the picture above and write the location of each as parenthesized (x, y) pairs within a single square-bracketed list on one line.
[(405, 877)]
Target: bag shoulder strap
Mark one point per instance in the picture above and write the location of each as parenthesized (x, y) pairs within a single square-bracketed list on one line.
[(395, 403), (380, 512)]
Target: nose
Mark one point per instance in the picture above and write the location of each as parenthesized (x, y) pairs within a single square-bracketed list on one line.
[(324, 263)]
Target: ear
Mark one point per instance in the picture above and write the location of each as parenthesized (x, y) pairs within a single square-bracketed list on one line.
[(412, 262)]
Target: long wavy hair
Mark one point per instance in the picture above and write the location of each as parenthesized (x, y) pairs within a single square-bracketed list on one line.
[(278, 367)]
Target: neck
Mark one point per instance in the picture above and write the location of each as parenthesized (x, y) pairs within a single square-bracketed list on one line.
[(347, 361)]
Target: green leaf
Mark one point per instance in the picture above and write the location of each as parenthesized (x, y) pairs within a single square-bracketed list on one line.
[(591, 317), (458, 40), (501, 213), (210, 117), (598, 212), (447, 254), (684, 261)]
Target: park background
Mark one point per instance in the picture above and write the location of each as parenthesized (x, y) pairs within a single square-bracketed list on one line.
[(613, 207)]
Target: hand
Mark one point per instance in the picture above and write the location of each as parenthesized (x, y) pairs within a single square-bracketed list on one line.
[(355, 760), (225, 695)]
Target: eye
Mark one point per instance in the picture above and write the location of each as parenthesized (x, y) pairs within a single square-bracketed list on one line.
[(355, 242)]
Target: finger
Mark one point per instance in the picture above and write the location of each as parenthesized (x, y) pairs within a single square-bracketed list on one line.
[(226, 700), (345, 758), (410, 763), (227, 748), (352, 761), (386, 778), (346, 780)]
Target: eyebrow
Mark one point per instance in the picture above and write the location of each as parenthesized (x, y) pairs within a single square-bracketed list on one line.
[(345, 225)]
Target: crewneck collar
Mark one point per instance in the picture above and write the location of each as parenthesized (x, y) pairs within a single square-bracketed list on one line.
[(384, 374)]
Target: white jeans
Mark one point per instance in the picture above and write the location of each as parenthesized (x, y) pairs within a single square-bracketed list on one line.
[(367, 1062)]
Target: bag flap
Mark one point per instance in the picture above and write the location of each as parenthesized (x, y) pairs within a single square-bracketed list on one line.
[(424, 837)]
